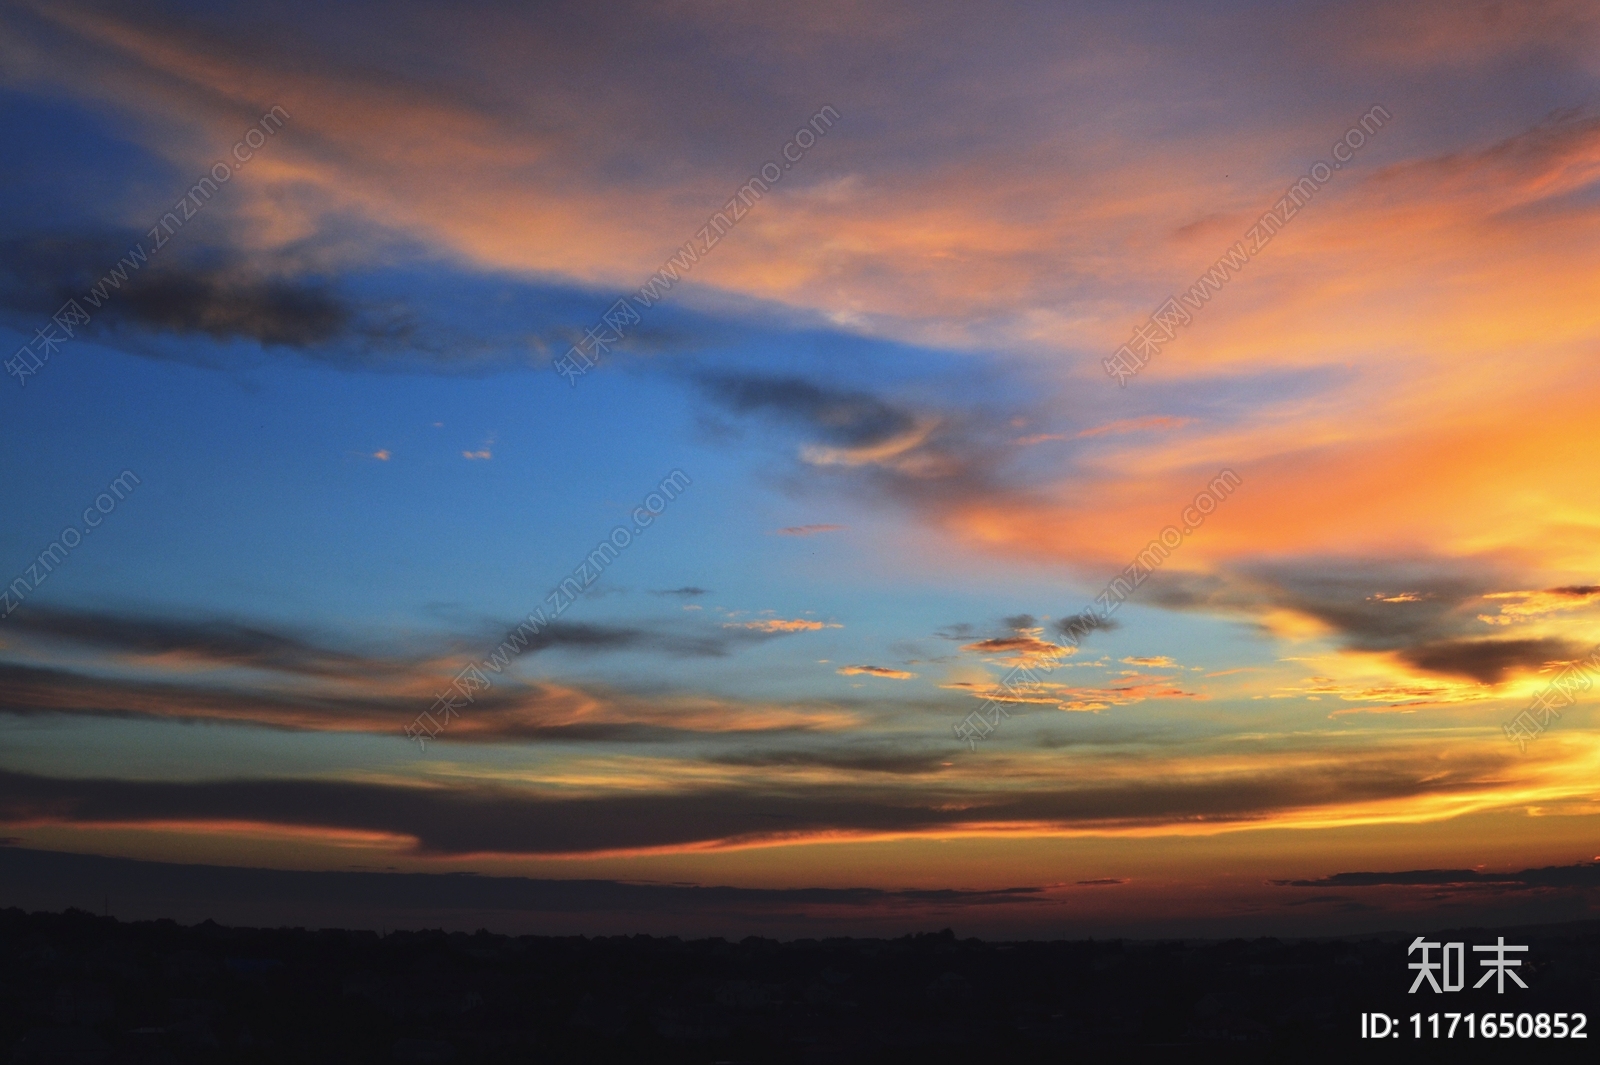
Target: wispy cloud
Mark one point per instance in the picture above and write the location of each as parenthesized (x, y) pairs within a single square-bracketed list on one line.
[(1134, 425), (1432, 629), (1581, 875), (874, 671), (477, 818), (1132, 689), (925, 456), (516, 712), (782, 625), (207, 669), (1523, 606)]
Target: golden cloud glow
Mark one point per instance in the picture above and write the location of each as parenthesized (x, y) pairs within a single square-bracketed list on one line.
[(874, 671), (1133, 689), (1023, 649), (782, 625), (1524, 606)]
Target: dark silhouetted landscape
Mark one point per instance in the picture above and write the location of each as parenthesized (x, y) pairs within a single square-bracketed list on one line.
[(85, 988)]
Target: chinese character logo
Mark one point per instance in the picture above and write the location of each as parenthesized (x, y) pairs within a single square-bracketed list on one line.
[(1449, 973)]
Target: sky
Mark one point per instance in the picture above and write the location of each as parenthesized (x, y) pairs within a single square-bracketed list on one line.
[(1047, 469)]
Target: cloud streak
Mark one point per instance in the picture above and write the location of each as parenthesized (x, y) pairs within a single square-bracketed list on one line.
[(874, 671), (1580, 875), (1434, 628), (485, 819), (206, 669)]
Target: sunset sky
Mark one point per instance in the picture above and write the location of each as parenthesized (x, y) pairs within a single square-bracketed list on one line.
[(865, 453)]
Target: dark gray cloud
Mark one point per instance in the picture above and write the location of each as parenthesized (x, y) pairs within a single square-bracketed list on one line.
[(219, 298), (881, 760), (1426, 613), (469, 819), (40, 271), (48, 879), (688, 591), (1581, 875), (221, 642), (1358, 598), (295, 314), (927, 456), (675, 637), (845, 418), (373, 692), (1013, 629), (512, 711), (1081, 624), (414, 315), (699, 641), (31, 690), (216, 641), (1488, 661)]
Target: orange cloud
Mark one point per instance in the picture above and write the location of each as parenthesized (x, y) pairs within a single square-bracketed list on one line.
[(1135, 689), (1024, 649), (781, 625), (1529, 605), (1390, 695)]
